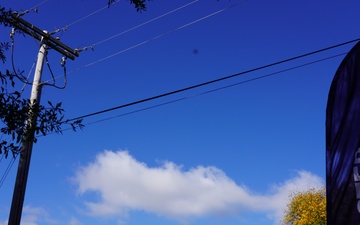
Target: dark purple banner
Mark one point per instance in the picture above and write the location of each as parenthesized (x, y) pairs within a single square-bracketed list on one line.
[(343, 143)]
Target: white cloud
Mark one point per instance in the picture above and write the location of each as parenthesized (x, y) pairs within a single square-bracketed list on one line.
[(278, 197), (74, 221), (123, 183), (37, 215), (33, 216)]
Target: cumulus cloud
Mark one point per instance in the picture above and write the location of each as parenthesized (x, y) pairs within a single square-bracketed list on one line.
[(74, 221), (121, 183), (34, 216)]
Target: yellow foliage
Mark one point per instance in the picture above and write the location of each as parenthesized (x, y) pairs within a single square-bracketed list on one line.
[(306, 208)]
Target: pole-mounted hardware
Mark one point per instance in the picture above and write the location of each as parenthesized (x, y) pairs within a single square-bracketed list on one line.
[(38, 34)]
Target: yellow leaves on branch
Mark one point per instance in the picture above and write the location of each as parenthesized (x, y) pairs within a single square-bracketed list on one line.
[(306, 208)]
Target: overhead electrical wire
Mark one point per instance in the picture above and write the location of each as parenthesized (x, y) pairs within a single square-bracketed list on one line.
[(153, 38), (24, 79), (7, 171), (8, 168), (119, 34), (218, 89), (198, 94), (63, 64), (144, 23), (85, 17), (35, 9), (165, 33), (212, 81), (105, 7)]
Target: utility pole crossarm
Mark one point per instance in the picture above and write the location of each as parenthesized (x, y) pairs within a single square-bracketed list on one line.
[(37, 33)]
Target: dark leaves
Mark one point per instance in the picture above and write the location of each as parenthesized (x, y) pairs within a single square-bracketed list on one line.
[(19, 114), (139, 4), (4, 46)]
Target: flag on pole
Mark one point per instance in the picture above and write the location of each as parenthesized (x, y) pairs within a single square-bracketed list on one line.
[(343, 143)]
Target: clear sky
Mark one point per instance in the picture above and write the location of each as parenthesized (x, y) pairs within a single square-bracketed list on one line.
[(230, 156)]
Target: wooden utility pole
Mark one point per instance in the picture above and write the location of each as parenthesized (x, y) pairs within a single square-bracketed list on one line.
[(29, 132), (27, 143)]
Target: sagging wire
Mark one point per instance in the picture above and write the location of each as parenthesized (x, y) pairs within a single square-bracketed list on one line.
[(17, 74), (25, 80), (63, 65), (7, 171), (8, 168)]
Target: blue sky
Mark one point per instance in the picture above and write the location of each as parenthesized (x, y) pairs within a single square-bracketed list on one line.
[(231, 156)]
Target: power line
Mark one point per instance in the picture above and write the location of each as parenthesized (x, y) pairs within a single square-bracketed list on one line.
[(64, 28), (207, 92), (7, 171), (35, 9), (212, 81), (217, 89), (121, 33), (156, 37), (142, 24), (165, 33), (211, 91)]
